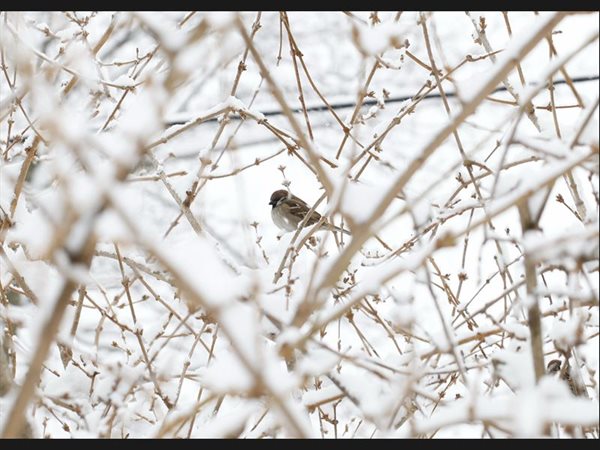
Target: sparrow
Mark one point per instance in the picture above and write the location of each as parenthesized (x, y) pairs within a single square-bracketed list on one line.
[(288, 211), (554, 368)]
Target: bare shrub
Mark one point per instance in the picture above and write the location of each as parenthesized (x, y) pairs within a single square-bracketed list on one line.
[(147, 293)]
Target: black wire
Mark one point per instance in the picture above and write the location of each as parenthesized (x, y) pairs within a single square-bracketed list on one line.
[(370, 102)]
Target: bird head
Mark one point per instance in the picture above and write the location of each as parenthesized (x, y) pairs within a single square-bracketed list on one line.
[(277, 197)]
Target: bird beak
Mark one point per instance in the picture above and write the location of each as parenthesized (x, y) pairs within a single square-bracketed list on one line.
[(272, 202)]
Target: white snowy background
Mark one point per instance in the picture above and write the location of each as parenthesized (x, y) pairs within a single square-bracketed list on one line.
[(146, 292)]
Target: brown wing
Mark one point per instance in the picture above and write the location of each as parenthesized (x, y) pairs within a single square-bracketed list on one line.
[(299, 208), (575, 389)]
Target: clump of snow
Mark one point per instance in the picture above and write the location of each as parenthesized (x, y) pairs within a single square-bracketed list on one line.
[(226, 374), (142, 115), (570, 333), (198, 261), (374, 40), (514, 367), (169, 35)]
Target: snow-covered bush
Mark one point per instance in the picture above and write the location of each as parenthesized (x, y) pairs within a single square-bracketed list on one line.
[(146, 292)]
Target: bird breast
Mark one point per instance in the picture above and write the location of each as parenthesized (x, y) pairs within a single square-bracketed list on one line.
[(281, 219)]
